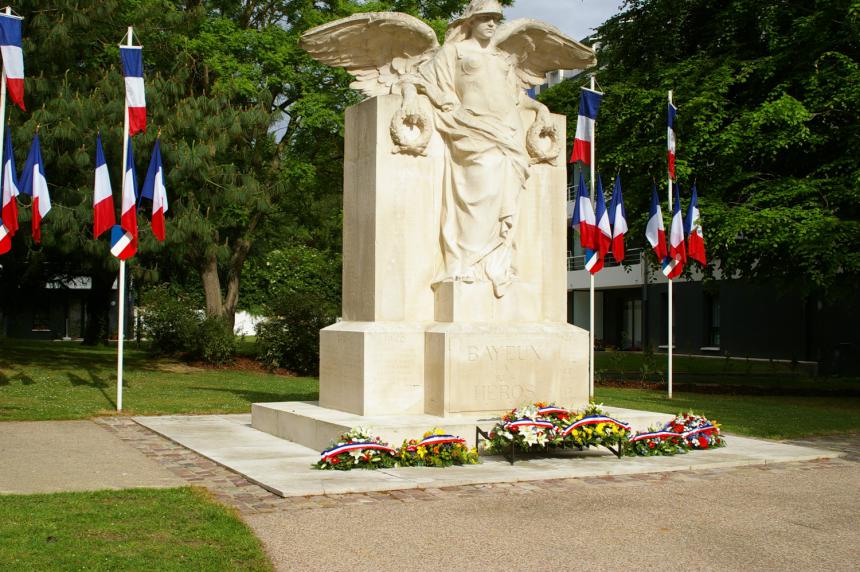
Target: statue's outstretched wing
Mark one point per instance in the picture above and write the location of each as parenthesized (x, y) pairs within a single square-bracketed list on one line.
[(541, 48), (377, 48)]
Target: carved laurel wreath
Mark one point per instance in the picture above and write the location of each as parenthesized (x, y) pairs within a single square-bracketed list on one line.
[(403, 135), (536, 138)]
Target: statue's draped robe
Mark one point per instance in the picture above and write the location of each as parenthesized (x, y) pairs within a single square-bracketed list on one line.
[(486, 163)]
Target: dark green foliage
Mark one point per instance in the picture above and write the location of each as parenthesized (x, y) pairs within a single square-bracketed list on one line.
[(769, 124), (290, 340), (169, 321), (215, 342)]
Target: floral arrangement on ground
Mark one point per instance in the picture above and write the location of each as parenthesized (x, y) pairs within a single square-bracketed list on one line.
[(544, 425), (355, 449), (686, 432), (437, 449)]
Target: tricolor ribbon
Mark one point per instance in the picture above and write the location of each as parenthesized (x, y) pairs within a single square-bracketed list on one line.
[(526, 422), (551, 410), (703, 429), (335, 451), (594, 420), (440, 440)]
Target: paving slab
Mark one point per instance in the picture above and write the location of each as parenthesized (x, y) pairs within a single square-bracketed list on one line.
[(284, 468), (55, 456)]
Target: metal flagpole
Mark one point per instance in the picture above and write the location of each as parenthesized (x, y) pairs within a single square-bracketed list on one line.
[(670, 280), (121, 305), (8, 12), (590, 275)]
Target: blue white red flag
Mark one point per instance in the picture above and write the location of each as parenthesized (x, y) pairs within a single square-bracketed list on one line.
[(153, 189), (594, 260), (618, 220), (135, 96), (654, 230), (9, 182), (13, 57), (673, 264), (673, 111), (589, 105), (104, 216), (583, 215), (128, 218), (120, 242), (34, 183), (693, 230)]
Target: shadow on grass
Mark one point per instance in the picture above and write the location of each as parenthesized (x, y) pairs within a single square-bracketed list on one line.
[(252, 396), (28, 353), (94, 382), (23, 378)]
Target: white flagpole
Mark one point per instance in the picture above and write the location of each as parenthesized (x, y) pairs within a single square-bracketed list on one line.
[(121, 305), (670, 280), (8, 12), (590, 275)]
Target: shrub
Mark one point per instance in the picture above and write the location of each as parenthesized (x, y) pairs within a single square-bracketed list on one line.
[(291, 339), (170, 322), (215, 342)]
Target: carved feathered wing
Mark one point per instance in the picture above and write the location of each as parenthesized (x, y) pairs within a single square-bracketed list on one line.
[(541, 48), (377, 48)]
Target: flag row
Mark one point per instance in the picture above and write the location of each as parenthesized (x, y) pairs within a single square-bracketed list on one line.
[(602, 230), (124, 237), (33, 183)]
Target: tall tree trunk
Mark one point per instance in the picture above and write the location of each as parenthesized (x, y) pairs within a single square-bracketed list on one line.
[(98, 308), (234, 275), (212, 286)]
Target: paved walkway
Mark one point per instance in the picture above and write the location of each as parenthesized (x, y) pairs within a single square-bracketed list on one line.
[(798, 516), (52, 456)]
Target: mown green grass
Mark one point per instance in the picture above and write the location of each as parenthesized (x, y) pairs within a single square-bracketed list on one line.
[(65, 380), (143, 529), (773, 417)]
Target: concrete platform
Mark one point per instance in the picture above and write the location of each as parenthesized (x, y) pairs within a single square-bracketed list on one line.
[(308, 424), (284, 467)]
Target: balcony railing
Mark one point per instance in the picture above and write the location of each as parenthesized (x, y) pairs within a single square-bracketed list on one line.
[(631, 256)]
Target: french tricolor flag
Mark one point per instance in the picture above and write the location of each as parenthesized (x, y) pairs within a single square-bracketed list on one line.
[(673, 264), (618, 220), (693, 230), (654, 230), (34, 183), (103, 210), (603, 233), (13, 57), (9, 181), (589, 105), (135, 96), (673, 111), (583, 215), (128, 218), (153, 189)]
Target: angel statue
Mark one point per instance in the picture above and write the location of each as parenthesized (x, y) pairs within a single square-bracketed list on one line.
[(475, 87)]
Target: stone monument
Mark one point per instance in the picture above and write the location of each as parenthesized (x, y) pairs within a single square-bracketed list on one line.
[(454, 263)]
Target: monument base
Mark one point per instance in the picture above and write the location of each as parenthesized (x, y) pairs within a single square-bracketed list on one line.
[(308, 424), (484, 369)]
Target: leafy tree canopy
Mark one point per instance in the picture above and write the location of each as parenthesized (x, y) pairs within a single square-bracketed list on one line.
[(768, 125)]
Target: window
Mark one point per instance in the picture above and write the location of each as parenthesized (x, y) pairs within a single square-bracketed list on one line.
[(713, 335)]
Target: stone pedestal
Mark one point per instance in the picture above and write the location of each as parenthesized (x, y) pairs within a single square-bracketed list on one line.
[(479, 368)]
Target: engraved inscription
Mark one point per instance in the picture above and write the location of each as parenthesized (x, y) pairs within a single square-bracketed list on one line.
[(505, 391), (502, 353)]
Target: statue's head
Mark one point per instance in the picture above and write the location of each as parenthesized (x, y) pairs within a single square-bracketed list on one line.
[(475, 21), (482, 7)]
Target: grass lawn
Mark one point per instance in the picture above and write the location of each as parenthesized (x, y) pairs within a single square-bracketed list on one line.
[(774, 417), (65, 380), (143, 529)]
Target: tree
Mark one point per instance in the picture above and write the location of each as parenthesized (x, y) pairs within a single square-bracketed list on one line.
[(768, 124)]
